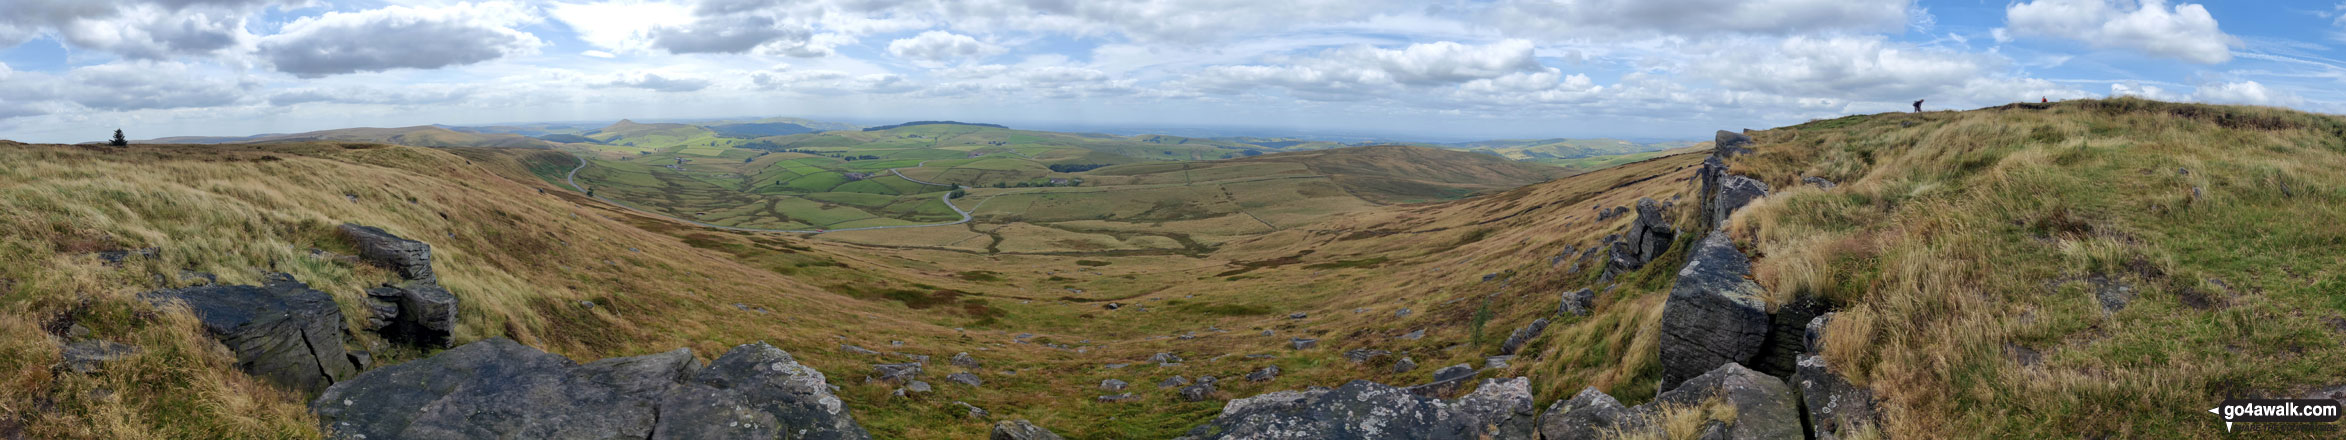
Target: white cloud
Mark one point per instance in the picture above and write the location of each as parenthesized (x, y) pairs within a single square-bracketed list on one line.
[(622, 26), (831, 82), (654, 82), (128, 86), (400, 37), (2137, 89), (939, 48), (598, 54), (2184, 32), (137, 29), (1642, 18), (1851, 68), (2244, 92)]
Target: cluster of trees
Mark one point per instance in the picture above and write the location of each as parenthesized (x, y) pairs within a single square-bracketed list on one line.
[(857, 158), (1075, 167)]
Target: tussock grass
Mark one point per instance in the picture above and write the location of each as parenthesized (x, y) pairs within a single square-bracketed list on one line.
[(1964, 247)]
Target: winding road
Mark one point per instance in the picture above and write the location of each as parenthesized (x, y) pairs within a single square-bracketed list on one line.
[(572, 179)]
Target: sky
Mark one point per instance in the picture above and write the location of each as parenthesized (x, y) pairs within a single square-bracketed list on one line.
[(74, 70)]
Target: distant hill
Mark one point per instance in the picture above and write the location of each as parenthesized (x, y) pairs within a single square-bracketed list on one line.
[(914, 123), (570, 138), (1534, 149), (417, 136), (1383, 173), (629, 132), (758, 130)]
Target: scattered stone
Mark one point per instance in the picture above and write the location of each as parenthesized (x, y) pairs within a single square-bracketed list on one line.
[(963, 360), (1404, 365), (1414, 335), (965, 379), (1173, 382), (1269, 332), (1364, 410), (1264, 375), (974, 411), (1116, 366), (1403, 313), (411, 259), (918, 387), (1497, 362), (1303, 343), (1112, 306), (857, 350), (1446, 381), (1112, 385), (1297, 315), (904, 372), (1578, 302), (1714, 314), (114, 258), (416, 312), (1363, 355), (2112, 294), (1198, 392), (1820, 182), (1523, 336), (496, 388), (1165, 359), (1021, 430), (1116, 398), (91, 356), (281, 331)]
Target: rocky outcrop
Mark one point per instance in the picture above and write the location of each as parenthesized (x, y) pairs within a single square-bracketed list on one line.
[(1714, 315), (1787, 336), (1589, 415), (1648, 238), (281, 331), (497, 388), (1734, 193), (411, 259), (1578, 303), (963, 360), (1764, 405), (1522, 336), (1724, 193), (1499, 409), (1021, 430), (1764, 408), (414, 312), (1835, 407), (1731, 144), (1820, 182)]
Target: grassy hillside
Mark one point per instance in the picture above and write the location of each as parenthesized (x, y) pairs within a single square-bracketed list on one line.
[(1978, 255)]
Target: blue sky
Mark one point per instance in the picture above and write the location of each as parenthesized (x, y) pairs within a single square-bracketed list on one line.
[(73, 70)]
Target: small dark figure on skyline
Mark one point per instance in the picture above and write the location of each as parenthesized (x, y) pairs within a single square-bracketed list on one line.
[(1918, 106), (119, 141)]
